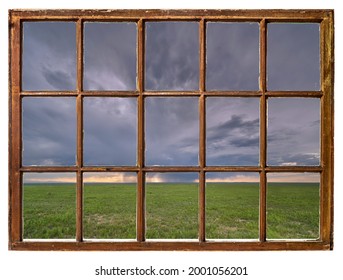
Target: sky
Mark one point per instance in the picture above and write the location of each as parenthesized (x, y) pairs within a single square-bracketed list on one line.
[(172, 123), (109, 63), (299, 42), (49, 56), (172, 56), (232, 56)]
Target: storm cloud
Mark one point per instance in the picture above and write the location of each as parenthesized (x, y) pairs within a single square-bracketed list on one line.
[(110, 56), (171, 123), (49, 130), (172, 131), (172, 56), (232, 131), (49, 56), (110, 131), (232, 56), (293, 131)]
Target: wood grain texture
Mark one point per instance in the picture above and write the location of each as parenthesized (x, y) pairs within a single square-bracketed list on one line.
[(15, 142), (171, 246)]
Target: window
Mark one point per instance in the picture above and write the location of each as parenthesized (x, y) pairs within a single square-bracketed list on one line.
[(171, 130)]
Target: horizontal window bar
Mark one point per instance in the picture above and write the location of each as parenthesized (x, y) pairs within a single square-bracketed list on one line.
[(178, 245)]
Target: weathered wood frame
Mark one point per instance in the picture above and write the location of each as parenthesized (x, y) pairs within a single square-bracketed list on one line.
[(325, 169)]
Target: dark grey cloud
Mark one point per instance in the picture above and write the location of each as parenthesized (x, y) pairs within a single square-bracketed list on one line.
[(49, 56), (232, 56), (246, 142), (172, 131), (172, 56), (293, 132), (110, 131), (110, 56), (232, 131), (57, 78), (49, 131), (232, 158), (293, 61), (239, 131)]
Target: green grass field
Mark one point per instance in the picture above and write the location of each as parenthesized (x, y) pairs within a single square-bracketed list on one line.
[(232, 210)]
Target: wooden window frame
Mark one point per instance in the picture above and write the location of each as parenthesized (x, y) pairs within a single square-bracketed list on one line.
[(325, 94)]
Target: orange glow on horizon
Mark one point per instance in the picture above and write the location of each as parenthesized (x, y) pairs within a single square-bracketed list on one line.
[(157, 178)]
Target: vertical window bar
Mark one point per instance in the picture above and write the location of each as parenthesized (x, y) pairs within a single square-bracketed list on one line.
[(141, 140), (79, 109), (15, 176), (202, 129), (263, 129), (327, 128)]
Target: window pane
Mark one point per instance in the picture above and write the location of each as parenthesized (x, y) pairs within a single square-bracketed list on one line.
[(110, 56), (172, 205), (293, 206), (49, 56), (172, 131), (232, 205), (172, 56), (232, 131), (293, 56), (109, 205), (232, 56), (49, 203), (293, 131), (49, 130), (110, 131)]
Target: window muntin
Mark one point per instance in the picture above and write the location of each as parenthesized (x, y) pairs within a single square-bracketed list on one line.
[(265, 20)]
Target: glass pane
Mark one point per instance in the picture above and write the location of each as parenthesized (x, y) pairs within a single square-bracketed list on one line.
[(110, 131), (172, 56), (172, 131), (232, 56), (293, 56), (49, 56), (109, 205), (232, 205), (232, 131), (172, 205), (49, 205), (293, 131), (110, 56), (293, 206), (49, 130)]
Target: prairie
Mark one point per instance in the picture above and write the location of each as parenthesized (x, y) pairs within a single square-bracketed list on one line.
[(232, 210)]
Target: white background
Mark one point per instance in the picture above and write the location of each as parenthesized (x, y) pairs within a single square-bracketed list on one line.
[(81, 265)]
